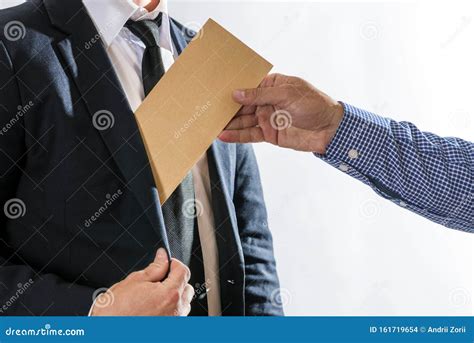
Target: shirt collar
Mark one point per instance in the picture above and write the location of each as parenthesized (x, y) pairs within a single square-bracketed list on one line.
[(109, 16)]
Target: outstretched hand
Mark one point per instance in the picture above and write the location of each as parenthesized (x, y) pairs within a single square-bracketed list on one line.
[(285, 111)]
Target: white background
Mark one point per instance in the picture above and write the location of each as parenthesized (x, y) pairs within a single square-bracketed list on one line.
[(341, 250)]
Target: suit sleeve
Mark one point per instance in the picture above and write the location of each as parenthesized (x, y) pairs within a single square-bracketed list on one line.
[(22, 290), (262, 289), (420, 171)]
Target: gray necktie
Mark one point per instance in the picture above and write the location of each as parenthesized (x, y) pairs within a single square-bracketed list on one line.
[(179, 211), (180, 224)]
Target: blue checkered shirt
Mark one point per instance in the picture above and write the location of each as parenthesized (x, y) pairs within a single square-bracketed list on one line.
[(419, 171)]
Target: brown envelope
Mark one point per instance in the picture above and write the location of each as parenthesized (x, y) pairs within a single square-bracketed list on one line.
[(192, 103)]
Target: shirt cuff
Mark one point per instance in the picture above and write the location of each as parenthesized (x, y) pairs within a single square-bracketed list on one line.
[(358, 142), (90, 310), (95, 297)]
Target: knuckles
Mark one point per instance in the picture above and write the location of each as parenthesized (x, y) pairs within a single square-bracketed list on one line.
[(148, 273), (183, 272), (151, 270), (255, 93), (187, 274), (173, 296), (135, 276)]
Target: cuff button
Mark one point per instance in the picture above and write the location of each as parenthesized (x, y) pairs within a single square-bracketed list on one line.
[(353, 154), (344, 167)]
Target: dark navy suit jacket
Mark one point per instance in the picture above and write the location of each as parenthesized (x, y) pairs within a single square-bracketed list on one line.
[(54, 77)]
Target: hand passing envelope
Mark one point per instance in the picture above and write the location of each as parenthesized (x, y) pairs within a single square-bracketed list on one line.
[(192, 103)]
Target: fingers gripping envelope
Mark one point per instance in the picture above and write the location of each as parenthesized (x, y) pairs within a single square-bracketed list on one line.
[(192, 103)]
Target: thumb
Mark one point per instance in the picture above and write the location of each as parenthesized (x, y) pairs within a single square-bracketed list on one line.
[(158, 269), (261, 96)]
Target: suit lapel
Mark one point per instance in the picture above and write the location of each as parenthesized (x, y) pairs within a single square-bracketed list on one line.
[(179, 39), (90, 67), (231, 260)]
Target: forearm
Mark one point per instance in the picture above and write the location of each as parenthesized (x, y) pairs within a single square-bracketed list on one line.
[(430, 175)]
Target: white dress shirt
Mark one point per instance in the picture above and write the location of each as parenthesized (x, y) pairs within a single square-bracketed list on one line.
[(126, 52)]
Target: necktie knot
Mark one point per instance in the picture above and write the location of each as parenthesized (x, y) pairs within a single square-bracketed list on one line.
[(152, 63), (146, 30)]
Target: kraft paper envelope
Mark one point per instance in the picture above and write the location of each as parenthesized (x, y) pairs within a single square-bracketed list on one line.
[(192, 103)]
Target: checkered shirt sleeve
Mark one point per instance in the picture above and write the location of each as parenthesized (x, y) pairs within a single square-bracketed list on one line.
[(420, 171)]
